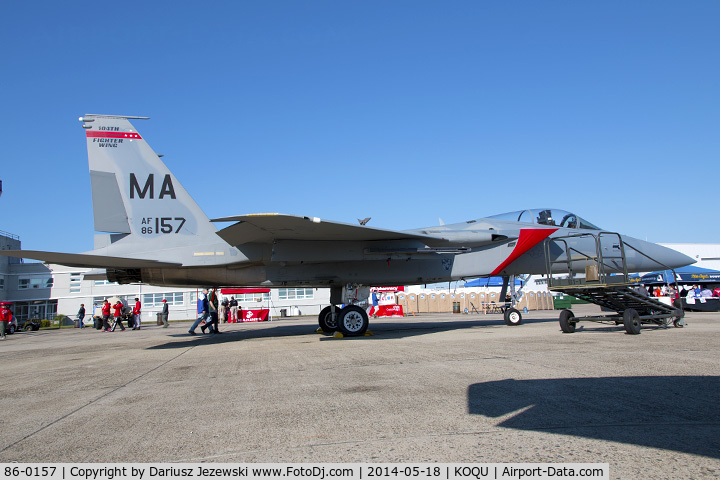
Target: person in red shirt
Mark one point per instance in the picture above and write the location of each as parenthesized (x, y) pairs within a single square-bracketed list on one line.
[(136, 315), (106, 316), (118, 316), (5, 319)]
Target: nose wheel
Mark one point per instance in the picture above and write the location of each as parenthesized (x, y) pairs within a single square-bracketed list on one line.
[(512, 317)]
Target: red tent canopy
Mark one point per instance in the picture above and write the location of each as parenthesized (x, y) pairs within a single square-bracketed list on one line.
[(233, 291)]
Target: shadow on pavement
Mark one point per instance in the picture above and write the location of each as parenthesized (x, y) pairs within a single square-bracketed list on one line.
[(672, 413), (402, 328)]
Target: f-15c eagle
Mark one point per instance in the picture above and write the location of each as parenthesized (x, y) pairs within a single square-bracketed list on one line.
[(156, 234)]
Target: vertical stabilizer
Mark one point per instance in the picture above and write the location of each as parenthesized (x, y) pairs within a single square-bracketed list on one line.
[(133, 191)]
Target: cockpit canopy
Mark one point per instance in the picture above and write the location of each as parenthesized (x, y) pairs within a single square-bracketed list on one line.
[(547, 216)]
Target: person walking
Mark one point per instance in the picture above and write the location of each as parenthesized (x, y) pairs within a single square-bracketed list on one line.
[(213, 309), (136, 314), (5, 318), (106, 316), (81, 315), (164, 313), (118, 316), (202, 310), (374, 309)]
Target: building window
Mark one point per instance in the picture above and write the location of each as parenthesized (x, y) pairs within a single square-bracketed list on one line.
[(100, 283), (296, 293), (35, 282), (39, 311), (2, 283), (252, 297), (75, 282), (156, 299)]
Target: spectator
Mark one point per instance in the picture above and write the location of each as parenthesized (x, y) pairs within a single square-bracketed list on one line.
[(374, 309), (118, 307), (164, 313), (223, 310), (642, 290), (106, 316), (202, 310), (81, 315), (136, 314), (213, 309), (233, 309), (5, 318)]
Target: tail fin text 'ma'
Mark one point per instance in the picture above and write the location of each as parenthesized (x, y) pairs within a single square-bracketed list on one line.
[(133, 191)]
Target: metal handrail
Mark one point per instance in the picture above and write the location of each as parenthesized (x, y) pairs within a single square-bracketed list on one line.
[(598, 259), (9, 235)]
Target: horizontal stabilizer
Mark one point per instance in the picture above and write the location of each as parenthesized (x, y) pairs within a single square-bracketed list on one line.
[(86, 260), (266, 228)]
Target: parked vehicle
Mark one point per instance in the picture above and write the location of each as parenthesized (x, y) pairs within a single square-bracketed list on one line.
[(31, 324)]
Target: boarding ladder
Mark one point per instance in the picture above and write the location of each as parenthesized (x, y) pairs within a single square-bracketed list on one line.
[(605, 282)]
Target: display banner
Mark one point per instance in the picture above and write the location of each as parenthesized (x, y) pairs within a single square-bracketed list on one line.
[(260, 315)]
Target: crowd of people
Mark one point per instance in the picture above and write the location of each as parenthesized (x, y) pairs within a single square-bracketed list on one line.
[(211, 312), (686, 291), (116, 310)]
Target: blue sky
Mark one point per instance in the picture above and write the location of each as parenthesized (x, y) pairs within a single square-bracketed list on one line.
[(403, 111)]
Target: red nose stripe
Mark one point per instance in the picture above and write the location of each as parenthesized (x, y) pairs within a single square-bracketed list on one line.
[(529, 237)]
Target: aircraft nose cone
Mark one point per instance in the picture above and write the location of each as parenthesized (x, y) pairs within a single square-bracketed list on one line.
[(678, 259), (660, 257)]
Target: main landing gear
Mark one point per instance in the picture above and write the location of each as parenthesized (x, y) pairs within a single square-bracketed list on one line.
[(352, 320)]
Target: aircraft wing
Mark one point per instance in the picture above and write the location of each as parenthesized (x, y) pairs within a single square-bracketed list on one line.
[(86, 260), (267, 227)]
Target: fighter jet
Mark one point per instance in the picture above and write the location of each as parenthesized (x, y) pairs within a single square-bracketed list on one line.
[(156, 234)]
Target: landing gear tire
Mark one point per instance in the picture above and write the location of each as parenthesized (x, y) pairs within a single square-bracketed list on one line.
[(631, 319), (512, 317), (567, 325), (325, 320), (353, 321)]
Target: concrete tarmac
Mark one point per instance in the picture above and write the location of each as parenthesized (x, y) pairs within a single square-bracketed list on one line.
[(431, 388)]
